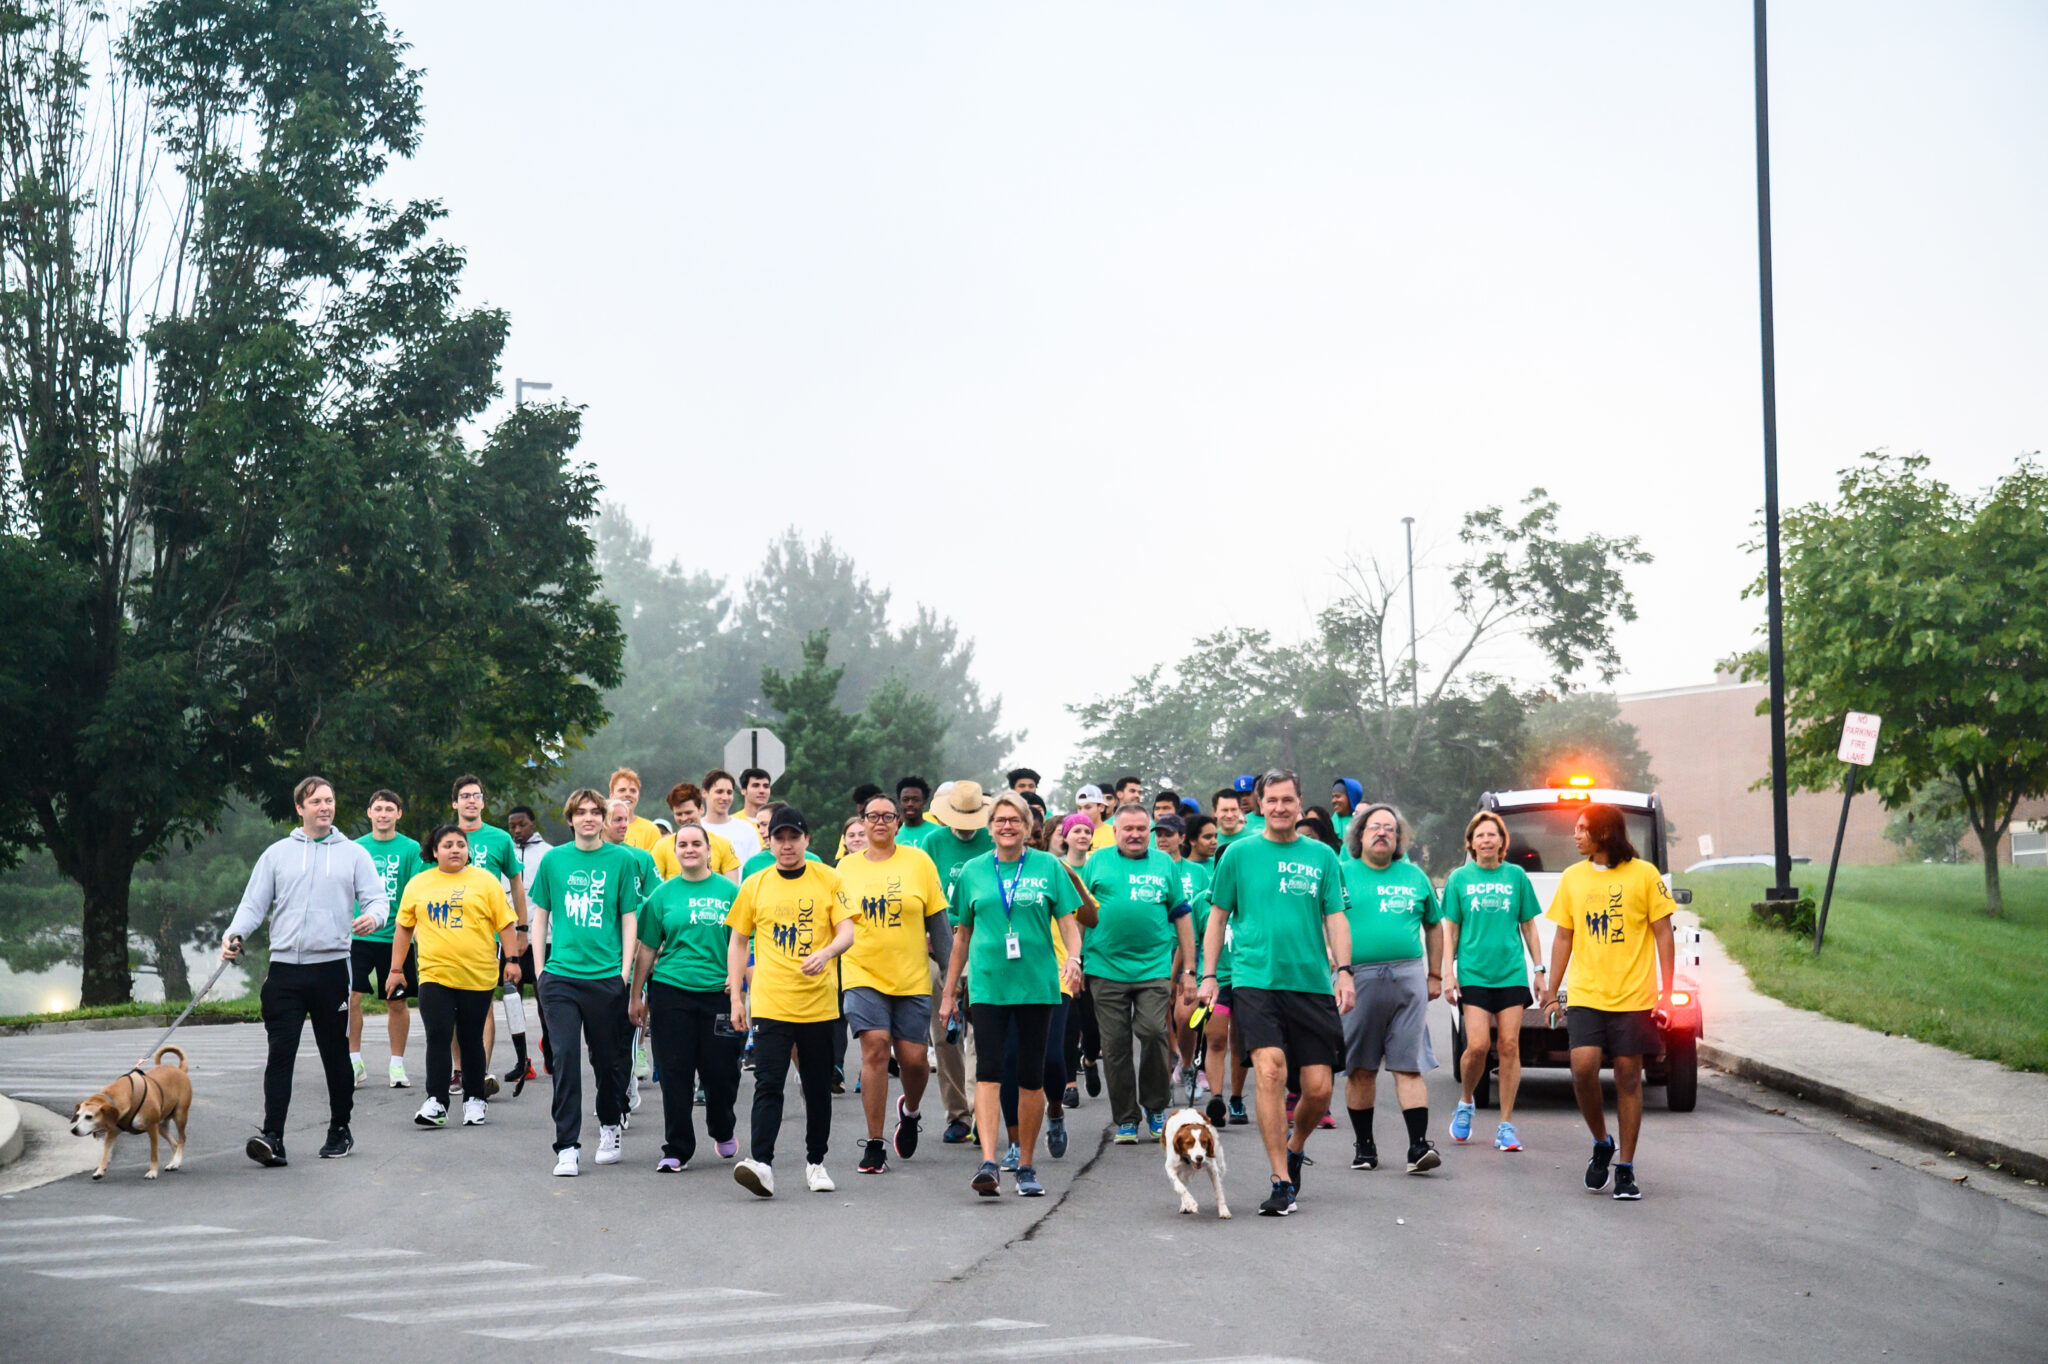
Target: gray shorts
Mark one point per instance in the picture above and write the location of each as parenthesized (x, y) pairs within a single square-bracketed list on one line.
[(906, 1018), (1388, 1028)]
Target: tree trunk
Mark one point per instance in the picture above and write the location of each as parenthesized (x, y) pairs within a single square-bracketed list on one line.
[(105, 875), (170, 955), (1994, 897)]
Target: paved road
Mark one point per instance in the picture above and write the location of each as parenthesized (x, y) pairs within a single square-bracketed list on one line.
[(1758, 1238)]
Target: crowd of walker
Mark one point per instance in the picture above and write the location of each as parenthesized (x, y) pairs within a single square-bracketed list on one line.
[(1155, 948)]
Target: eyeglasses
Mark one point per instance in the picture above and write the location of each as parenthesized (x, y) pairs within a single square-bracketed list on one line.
[(880, 816)]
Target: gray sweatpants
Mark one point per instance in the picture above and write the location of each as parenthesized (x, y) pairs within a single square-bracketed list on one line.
[(575, 1009), (1138, 1010)]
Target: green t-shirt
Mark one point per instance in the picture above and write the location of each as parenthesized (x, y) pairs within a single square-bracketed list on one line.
[(1194, 883), (909, 837), (1140, 897), (949, 854), (1489, 908), (1388, 908), (650, 875), (491, 848), (764, 859), (397, 860), (1041, 891), (1224, 840), (684, 922), (1340, 825), (586, 896), (1277, 896)]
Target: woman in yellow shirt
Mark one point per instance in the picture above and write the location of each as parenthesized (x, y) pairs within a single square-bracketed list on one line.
[(460, 915)]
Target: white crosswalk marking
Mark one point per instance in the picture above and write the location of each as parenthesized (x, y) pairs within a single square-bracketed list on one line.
[(1006, 1324), (37, 1223), (120, 1234), (570, 1330), (474, 1310), (781, 1341), (355, 1297), (327, 1278), (43, 1257), (311, 1257), (1071, 1345)]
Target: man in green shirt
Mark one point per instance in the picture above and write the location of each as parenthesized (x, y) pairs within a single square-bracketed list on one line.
[(1141, 948), (397, 860), (961, 835), (588, 890), (1229, 812), (1282, 899), (492, 849), (912, 795), (1395, 922)]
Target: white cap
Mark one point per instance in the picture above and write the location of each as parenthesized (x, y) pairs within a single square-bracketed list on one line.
[(1091, 795)]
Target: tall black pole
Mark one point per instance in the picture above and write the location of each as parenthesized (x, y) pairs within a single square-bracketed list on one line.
[(1414, 668), (1782, 888)]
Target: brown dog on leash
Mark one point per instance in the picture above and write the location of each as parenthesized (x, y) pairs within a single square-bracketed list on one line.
[(140, 1101)]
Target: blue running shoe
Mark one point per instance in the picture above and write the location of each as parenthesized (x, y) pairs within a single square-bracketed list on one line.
[(1461, 1123), (1156, 1121), (1028, 1185), (1011, 1156), (1505, 1139), (1238, 1116), (1056, 1138), (1127, 1134)]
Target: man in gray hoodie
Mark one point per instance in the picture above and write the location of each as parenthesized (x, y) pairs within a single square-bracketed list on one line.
[(310, 886)]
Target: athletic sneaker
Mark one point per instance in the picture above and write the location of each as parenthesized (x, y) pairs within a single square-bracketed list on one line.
[(958, 1132), (1072, 1098), (1295, 1160), (728, 1149), (474, 1112), (1505, 1139), (455, 1080), (755, 1176), (817, 1181), (491, 1087), (521, 1072), (611, 1145), (838, 1080), (1280, 1202), (1461, 1122), (1056, 1137), (907, 1124), (1328, 1120), (433, 1113), (1157, 1122), (1027, 1183), (874, 1157), (668, 1165), (1011, 1155), (267, 1148), (633, 1095), (1092, 1073), (987, 1181), (1238, 1116), (1624, 1182), (1127, 1134), (339, 1142), (1365, 1155), (1422, 1157), (568, 1162), (395, 1072), (1596, 1168), (643, 1065), (361, 1071), (1216, 1110)]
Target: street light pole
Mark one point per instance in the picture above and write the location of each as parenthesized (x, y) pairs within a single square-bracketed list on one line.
[(1414, 669), (1782, 888), (519, 387)]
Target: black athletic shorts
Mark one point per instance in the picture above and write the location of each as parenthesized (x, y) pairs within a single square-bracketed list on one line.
[(1304, 1026), (1624, 1032), (1495, 999), (366, 959), (527, 985)]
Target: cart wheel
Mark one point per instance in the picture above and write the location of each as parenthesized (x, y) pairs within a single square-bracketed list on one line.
[(1682, 1083)]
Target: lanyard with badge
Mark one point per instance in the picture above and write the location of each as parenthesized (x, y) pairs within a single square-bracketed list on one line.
[(1012, 948)]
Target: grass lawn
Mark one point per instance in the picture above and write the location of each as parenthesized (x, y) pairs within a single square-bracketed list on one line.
[(1909, 950), (247, 1010)]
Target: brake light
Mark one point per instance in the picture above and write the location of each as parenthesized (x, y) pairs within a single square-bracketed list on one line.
[(1575, 795), (1580, 781), (1680, 997)]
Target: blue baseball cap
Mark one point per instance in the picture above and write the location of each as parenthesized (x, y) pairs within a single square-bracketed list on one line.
[(1244, 785)]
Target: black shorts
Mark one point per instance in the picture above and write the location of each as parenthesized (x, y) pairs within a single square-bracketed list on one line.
[(1304, 1026), (1495, 999), (366, 959), (1624, 1032), (527, 975)]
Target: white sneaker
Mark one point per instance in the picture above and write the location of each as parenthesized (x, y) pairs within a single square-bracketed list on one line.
[(755, 1177), (611, 1145), (396, 1072), (633, 1095), (433, 1113), (817, 1181), (566, 1163), (362, 1072), (474, 1111), (643, 1067)]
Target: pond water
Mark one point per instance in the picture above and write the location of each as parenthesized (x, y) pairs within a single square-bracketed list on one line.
[(30, 992)]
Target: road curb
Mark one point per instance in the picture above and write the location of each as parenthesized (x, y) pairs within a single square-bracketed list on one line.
[(1915, 1126), (122, 1024), (10, 1132)]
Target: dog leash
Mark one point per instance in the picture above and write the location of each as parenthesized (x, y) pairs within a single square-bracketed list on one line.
[(177, 1022)]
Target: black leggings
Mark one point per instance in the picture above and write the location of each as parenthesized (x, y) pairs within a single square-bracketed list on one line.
[(773, 1042), (683, 1027), (1055, 1078), (459, 1014), (1084, 1036), (993, 1026)]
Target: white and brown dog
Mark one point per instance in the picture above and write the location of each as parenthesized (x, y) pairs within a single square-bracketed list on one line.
[(1191, 1147), (140, 1101)]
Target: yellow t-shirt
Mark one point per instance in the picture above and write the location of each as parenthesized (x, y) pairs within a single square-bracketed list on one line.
[(724, 861), (1610, 910), (457, 920), (789, 918), (643, 834), (893, 898), (1105, 835)]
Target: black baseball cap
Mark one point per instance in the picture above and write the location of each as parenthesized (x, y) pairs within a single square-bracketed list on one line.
[(788, 817), (1170, 824)]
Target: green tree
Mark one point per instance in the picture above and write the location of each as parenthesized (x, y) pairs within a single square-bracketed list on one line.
[(243, 532), (1909, 600), (1930, 826), (1584, 732)]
